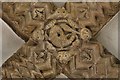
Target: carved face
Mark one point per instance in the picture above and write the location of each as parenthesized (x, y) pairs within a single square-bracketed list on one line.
[(38, 35), (63, 57), (61, 11), (85, 34)]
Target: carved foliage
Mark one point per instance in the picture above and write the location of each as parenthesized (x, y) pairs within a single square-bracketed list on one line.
[(58, 41)]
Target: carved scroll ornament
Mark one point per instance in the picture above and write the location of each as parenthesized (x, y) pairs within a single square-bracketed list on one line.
[(59, 40)]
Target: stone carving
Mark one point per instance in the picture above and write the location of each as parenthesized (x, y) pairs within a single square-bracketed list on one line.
[(59, 40)]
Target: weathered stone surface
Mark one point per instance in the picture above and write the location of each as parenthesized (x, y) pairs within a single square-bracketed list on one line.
[(59, 40)]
